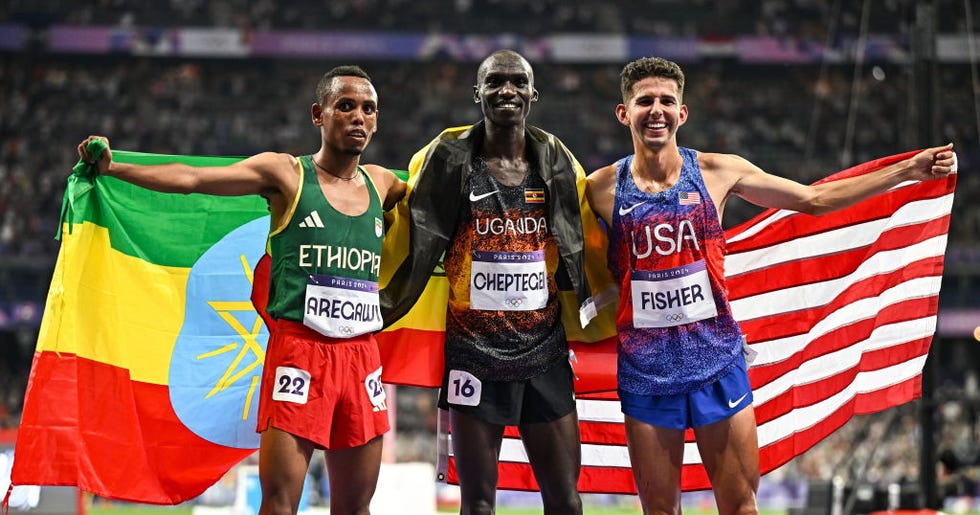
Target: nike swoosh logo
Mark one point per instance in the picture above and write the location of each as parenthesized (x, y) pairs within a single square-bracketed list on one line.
[(736, 402), (474, 197), (624, 211)]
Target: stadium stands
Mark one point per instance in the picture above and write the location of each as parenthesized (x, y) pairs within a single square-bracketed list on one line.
[(791, 120)]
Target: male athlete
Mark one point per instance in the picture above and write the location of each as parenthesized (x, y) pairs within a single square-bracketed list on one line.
[(321, 385), (500, 199), (680, 350)]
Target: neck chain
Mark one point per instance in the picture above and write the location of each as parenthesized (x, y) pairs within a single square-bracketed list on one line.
[(341, 177)]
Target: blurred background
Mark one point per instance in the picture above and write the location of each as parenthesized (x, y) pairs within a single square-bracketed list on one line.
[(802, 88)]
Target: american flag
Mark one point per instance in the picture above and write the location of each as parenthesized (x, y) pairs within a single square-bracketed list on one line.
[(689, 198), (841, 310)]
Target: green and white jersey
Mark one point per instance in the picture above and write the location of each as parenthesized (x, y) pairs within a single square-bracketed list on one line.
[(325, 263)]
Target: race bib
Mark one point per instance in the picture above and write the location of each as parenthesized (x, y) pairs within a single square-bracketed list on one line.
[(508, 281), (292, 385), (464, 389), (667, 298), (340, 307), (376, 390)]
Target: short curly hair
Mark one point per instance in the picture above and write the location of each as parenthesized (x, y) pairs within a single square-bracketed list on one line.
[(325, 86), (644, 67)]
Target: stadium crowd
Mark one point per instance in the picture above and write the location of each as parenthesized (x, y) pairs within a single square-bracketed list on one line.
[(227, 107), (661, 18), (789, 120)]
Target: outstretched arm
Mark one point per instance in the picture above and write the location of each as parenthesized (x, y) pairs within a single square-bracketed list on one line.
[(261, 174), (763, 189)]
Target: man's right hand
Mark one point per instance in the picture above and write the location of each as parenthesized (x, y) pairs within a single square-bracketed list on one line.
[(104, 160)]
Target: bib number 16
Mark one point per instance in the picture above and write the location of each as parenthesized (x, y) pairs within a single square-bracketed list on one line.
[(464, 388)]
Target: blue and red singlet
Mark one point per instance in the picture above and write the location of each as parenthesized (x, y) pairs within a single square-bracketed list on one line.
[(676, 330)]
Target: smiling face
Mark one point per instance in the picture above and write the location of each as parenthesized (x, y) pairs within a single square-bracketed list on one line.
[(505, 89), (347, 114), (653, 111)]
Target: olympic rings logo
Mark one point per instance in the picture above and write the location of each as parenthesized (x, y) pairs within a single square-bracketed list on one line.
[(346, 330), (514, 302), (674, 317)]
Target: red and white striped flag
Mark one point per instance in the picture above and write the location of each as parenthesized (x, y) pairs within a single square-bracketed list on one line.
[(841, 310)]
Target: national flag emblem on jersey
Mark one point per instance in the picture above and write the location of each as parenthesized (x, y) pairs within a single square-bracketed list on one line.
[(689, 198), (533, 195)]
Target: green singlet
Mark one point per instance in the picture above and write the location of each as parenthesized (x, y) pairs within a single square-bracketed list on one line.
[(325, 263)]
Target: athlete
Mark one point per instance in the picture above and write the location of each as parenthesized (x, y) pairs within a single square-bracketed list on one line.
[(681, 362), (500, 199), (321, 381)]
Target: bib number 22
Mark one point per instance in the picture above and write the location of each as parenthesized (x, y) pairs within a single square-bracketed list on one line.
[(292, 385)]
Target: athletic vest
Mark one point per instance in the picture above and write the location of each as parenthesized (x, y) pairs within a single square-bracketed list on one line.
[(325, 263), (503, 320), (666, 249)]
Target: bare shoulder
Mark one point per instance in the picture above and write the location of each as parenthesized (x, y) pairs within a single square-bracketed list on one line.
[(391, 187), (714, 162), (728, 169), (602, 177), (274, 162), (379, 173), (375, 169), (274, 157), (600, 191)]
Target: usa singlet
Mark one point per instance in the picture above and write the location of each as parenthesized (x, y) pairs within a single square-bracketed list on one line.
[(676, 330), (325, 264), (503, 320)]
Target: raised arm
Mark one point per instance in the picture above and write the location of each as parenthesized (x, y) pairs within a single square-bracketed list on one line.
[(766, 190), (264, 174)]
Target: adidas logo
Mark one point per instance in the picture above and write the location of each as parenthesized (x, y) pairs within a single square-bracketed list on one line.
[(312, 220)]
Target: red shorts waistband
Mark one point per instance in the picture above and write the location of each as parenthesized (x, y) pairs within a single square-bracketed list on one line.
[(298, 330)]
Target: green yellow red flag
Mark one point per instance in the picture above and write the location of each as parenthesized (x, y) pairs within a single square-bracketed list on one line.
[(145, 380), (145, 376)]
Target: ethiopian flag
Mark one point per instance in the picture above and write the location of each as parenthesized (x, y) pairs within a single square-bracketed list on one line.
[(145, 380)]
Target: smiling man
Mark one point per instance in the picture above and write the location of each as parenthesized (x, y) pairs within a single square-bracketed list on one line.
[(325, 244), (501, 200), (681, 362)]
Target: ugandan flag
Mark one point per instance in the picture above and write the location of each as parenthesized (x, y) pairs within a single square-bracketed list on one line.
[(412, 346), (144, 385), (534, 195)]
